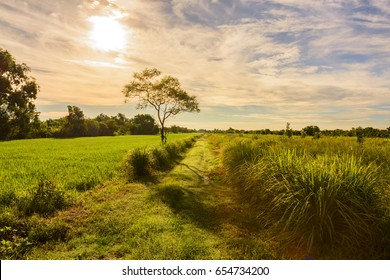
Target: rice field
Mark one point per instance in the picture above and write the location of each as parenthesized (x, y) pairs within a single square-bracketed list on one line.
[(74, 164)]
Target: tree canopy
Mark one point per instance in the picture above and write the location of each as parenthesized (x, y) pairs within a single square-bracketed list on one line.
[(164, 94), (75, 124), (18, 90), (143, 124)]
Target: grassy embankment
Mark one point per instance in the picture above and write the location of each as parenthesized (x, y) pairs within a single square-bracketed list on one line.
[(327, 198)]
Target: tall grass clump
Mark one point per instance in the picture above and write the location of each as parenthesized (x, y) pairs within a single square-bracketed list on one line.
[(173, 149), (321, 202), (137, 164), (160, 159), (241, 151), (326, 203)]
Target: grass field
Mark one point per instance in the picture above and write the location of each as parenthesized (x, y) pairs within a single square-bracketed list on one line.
[(228, 197), (79, 163)]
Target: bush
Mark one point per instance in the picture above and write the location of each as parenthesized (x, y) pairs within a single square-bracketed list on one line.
[(160, 159), (44, 200), (137, 164), (7, 197), (173, 150)]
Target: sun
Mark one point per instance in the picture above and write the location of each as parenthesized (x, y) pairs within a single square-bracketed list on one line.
[(107, 34)]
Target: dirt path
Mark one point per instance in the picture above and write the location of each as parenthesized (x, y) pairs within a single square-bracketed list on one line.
[(195, 191)]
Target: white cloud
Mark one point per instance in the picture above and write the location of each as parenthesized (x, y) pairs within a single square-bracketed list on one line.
[(298, 57)]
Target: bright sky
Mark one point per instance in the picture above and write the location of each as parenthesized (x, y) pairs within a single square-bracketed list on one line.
[(252, 64)]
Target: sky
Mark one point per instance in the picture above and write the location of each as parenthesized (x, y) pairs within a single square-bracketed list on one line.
[(251, 64)]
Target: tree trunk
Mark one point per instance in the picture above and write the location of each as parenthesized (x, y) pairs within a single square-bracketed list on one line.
[(163, 135)]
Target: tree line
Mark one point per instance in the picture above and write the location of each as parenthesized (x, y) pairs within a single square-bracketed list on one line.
[(75, 124), (315, 131)]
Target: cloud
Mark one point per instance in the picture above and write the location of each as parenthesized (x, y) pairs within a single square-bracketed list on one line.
[(53, 115), (294, 58)]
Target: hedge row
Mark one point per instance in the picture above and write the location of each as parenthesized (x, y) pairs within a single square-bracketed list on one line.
[(143, 162)]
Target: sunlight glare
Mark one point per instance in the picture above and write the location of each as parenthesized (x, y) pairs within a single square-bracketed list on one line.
[(107, 34)]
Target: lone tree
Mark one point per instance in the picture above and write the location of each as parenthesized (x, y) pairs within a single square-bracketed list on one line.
[(18, 90), (165, 95)]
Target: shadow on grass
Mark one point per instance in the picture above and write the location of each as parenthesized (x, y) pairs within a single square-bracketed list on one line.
[(195, 170), (188, 204)]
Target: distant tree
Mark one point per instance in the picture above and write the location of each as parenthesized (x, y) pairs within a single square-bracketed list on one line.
[(165, 95), (232, 130), (311, 130), (107, 125), (75, 125), (267, 131), (123, 124), (359, 131), (288, 132), (55, 127), (143, 124), (102, 117), (104, 130), (179, 129), (18, 91), (92, 127)]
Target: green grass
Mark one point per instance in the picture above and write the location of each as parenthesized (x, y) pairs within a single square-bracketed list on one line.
[(328, 197), (188, 214), (228, 197), (79, 163), (56, 170)]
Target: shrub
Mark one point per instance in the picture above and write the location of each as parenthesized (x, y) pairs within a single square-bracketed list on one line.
[(160, 159), (7, 197), (44, 200), (137, 164), (188, 143), (173, 150)]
